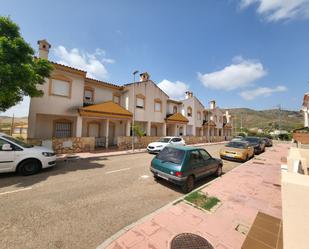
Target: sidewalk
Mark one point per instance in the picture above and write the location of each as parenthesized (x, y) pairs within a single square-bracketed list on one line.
[(254, 186), (119, 152)]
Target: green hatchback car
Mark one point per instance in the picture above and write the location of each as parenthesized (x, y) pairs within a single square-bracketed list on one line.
[(183, 165)]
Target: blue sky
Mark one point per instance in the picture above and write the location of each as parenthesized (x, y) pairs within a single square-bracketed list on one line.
[(243, 53)]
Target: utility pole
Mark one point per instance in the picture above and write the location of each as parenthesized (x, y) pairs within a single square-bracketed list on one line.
[(12, 125), (133, 133)]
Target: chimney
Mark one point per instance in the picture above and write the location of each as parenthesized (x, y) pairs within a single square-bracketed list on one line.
[(44, 47), (212, 104), (189, 94), (144, 76)]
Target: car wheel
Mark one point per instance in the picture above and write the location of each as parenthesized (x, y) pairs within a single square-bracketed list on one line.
[(219, 170), (188, 186), (156, 177), (29, 167)]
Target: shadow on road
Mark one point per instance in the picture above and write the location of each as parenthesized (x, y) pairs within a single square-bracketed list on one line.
[(61, 168)]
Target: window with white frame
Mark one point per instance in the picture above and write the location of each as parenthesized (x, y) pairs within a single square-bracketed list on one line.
[(174, 109), (189, 111), (140, 102), (88, 96), (60, 88), (158, 106)]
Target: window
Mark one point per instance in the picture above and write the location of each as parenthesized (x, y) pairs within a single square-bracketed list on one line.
[(60, 88), (189, 111), (157, 105), (170, 154), (199, 115), (63, 129), (88, 95), (175, 140), (205, 154), (140, 101), (174, 109), (195, 157), (116, 99), (2, 142)]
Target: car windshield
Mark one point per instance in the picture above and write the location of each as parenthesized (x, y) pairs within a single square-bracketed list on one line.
[(251, 139), (164, 139), (18, 142), (170, 154), (236, 145)]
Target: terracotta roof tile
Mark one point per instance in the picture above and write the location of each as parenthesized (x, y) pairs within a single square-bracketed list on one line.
[(177, 117), (106, 109)]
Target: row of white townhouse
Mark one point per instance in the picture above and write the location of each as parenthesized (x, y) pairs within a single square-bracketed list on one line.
[(76, 106)]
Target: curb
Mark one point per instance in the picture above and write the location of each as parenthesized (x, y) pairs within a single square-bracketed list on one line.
[(60, 159)]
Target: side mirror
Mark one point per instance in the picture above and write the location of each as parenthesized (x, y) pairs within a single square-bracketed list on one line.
[(6, 147)]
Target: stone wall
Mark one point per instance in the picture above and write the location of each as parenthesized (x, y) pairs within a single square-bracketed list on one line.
[(68, 145), (125, 143)]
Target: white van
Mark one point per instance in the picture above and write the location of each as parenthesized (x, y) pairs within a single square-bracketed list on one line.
[(26, 159)]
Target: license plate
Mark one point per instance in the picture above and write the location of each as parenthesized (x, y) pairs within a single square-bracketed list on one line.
[(230, 155), (161, 176)]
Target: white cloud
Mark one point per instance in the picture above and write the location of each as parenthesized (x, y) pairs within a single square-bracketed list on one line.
[(175, 90), (237, 75), (275, 10), (261, 91), (94, 64)]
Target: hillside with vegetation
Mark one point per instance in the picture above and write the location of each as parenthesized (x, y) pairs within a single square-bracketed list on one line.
[(267, 120)]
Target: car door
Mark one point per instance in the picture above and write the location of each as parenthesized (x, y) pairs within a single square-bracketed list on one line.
[(210, 165), (173, 141), (178, 141), (7, 158), (196, 163)]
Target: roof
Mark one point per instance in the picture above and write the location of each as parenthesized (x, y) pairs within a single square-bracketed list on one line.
[(68, 68), (174, 101), (90, 80), (184, 148), (209, 123), (107, 109), (177, 117), (145, 81)]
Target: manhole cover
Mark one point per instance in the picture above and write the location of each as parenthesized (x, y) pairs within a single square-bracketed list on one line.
[(190, 241)]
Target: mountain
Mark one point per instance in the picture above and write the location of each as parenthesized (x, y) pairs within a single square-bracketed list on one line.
[(267, 119), (6, 121)]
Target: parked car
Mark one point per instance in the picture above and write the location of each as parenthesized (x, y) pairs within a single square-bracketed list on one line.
[(183, 165), (237, 138), (26, 159), (156, 147), (268, 141), (237, 150), (257, 143)]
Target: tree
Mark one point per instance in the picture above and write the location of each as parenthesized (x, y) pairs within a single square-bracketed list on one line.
[(20, 71)]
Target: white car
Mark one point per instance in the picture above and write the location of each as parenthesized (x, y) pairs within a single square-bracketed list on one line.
[(26, 159), (156, 147)]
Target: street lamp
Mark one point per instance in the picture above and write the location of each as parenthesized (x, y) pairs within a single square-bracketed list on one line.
[(133, 134)]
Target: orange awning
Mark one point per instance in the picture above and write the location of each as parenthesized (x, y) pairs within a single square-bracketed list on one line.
[(106, 110), (177, 118)]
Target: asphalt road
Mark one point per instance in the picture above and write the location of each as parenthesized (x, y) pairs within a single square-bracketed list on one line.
[(81, 203)]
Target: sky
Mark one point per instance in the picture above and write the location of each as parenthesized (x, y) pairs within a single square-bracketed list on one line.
[(242, 53)]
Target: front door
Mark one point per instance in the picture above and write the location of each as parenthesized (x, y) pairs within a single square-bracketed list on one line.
[(93, 130), (7, 158), (111, 134)]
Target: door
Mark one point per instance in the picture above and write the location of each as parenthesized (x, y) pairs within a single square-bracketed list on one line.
[(93, 130), (7, 158), (111, 134), (196, 164), (210, 165), (154, 131)]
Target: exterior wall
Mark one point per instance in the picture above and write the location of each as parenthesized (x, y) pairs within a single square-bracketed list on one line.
[(150, 92), (170, 107), (295, 206), (56, 105)]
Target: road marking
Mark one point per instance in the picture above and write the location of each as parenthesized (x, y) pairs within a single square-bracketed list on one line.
[(114, 171), (15, 191)]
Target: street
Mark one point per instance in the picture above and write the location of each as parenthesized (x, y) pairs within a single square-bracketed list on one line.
[(81, 203)]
